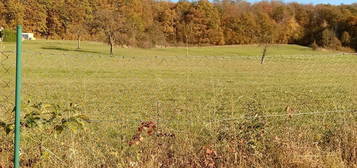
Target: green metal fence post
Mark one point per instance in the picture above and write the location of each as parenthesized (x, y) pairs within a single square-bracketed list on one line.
[(18, 97)]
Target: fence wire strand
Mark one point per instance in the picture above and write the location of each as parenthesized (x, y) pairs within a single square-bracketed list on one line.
[(232, 119)]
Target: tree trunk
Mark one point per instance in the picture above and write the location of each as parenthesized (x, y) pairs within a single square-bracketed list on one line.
[(111, 49), (264, 53), (79, 42), (186, 46), (111, 43)]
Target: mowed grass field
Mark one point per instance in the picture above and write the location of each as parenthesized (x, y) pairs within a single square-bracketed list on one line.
[(215, 107)]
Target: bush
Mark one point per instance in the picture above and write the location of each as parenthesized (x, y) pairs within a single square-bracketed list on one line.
[(314, 46), (9, 36), (335, 43), (329, 40), (341, 139), (346, 39)]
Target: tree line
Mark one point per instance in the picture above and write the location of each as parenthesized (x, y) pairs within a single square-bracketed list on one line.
[(151, 23)]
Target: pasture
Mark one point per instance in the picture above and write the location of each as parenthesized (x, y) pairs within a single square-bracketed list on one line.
[(215, 107)]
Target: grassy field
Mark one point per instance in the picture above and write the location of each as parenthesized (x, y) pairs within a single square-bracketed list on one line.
[(215, 107)]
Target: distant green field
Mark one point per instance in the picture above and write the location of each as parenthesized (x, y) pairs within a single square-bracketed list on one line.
[(193, 96)]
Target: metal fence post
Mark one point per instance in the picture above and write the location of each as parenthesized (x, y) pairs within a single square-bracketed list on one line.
[(18, 96)]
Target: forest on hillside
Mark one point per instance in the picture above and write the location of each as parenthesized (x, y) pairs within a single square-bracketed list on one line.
[(151, 23)]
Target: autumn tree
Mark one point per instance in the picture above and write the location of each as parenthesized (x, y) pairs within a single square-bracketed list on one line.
[(109, 22), (14, 12), (2, 14), (157, 36), (350, 26), (183, 28), (139, 19), (56, 20), (241, 29), (168, 20), (206, 23), (288, 31), (329, 39), (279, 14), (35, 15), (79, 20)]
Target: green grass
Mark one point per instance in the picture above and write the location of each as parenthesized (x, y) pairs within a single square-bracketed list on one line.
[(244, 50), (186, 95)]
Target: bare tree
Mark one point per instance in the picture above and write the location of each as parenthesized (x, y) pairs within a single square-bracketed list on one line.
[(78, 30), (188, 34), (110, 22), (264, 53), (266, 42), (266, 34)]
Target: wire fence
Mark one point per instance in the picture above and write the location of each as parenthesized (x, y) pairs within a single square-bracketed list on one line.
[(196, 98), (6, 101), (6, 83)]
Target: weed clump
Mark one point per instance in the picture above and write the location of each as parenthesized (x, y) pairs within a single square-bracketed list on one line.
[(342, 141)]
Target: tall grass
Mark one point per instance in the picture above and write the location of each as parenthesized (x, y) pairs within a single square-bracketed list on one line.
[(217, 107)]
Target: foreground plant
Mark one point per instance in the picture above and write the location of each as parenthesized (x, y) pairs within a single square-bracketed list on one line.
[(41, 122)]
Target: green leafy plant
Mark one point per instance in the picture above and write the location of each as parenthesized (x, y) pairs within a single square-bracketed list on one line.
[(42, 121), (49, 117)]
